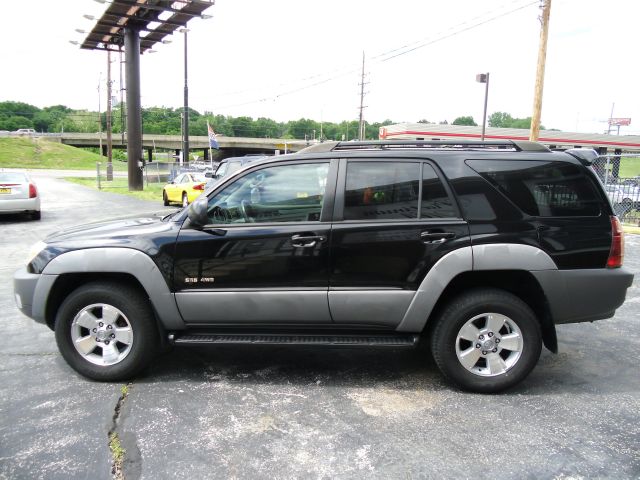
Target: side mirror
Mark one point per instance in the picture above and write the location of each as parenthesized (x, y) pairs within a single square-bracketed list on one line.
[(197, 211)]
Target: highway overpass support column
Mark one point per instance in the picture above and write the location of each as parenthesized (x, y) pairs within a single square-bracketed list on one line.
[(134, 112)]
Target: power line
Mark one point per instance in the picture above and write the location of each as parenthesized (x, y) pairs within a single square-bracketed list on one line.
[(385, 56)]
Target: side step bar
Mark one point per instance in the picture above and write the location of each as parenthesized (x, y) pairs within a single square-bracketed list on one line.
[(308, 339)]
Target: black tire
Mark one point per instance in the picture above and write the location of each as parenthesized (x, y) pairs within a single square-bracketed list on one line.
[(136, 317), (36, 215), (165, 199), (447, 341), (185, 199)]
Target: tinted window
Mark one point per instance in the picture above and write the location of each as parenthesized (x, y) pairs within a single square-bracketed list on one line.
[(381, 190), (435, 201), (287, 193), (545, 189)]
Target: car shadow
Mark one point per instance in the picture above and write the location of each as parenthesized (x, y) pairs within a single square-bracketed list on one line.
[(402, 368)]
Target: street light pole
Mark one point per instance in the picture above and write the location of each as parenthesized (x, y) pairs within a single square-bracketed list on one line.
[(185, 125), (484, 78)]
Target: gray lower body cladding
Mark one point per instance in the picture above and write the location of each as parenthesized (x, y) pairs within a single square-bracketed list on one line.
[(584, 295)]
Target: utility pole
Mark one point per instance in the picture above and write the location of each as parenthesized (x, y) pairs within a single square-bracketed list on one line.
[(185, 126), (362, 107), (99, 115), (542, 58), (109, 139), (123, 124)]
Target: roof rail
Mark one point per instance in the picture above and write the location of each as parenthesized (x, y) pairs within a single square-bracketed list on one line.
[(520, 146), (319, 147)]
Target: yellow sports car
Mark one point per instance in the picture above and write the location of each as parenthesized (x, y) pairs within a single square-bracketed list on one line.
[(184, 189)]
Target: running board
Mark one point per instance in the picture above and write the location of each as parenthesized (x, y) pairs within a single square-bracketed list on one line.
[(279, 339)]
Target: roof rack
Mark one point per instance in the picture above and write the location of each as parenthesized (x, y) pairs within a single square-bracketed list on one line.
[(510, 145)]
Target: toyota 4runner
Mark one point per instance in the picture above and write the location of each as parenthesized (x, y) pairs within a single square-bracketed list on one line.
[(478, 248)]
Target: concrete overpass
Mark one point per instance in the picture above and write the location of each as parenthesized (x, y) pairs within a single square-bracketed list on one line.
[(229, 146)]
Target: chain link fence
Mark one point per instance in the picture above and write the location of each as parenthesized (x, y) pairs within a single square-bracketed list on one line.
[(622, 185), (153, 173)]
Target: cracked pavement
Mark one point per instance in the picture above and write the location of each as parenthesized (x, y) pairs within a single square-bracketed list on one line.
[(283, 412)]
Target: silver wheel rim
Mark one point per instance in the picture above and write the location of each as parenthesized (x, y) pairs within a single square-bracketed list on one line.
[(489, 344), (102, 334)]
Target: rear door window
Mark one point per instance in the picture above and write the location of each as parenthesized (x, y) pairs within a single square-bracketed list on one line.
[(382, 190), (542, 188)]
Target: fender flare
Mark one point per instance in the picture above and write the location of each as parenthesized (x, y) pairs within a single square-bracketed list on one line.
[(500, 256), (113, 260)]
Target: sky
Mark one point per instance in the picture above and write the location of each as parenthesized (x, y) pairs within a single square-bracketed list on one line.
[(291, 59)]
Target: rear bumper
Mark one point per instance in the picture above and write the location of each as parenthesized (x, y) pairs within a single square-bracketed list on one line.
[(584, 295), (13, 205)]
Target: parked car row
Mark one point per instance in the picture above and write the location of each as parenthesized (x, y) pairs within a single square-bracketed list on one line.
[(187, 186), (624, 197)]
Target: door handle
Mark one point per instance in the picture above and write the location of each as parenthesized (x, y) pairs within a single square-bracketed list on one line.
[(303, 241), (436, 237)]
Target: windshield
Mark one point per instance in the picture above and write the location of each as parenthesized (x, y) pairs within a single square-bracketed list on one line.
[(221, 170)]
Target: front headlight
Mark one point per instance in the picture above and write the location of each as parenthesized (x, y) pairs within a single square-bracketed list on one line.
[(35, 249)]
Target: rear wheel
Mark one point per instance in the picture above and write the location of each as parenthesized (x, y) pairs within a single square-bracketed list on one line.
[(486, 340), (165, 199), (106, 331), (185, 199), (36, 215)]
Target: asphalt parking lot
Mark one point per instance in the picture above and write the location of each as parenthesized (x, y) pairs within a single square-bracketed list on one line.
[(274, 412)]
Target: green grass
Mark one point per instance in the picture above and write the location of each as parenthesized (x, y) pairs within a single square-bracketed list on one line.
[(120, 185), (629, 167), (49, 154)]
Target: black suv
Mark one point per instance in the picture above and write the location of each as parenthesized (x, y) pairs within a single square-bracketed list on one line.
[(477, 248)]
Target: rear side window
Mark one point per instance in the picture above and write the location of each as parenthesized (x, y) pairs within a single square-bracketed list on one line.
[(542, 189), (435, 201), (382, 190)]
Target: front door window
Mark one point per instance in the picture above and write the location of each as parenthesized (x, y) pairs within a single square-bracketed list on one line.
[(287, 193)]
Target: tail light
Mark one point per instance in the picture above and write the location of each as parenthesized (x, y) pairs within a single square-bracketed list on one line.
[(616, 254), (200, 186), (33, 191)]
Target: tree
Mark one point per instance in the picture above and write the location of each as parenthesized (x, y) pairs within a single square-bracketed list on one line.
[(465, 121), (505, 120), (303, 127), (500, 120)]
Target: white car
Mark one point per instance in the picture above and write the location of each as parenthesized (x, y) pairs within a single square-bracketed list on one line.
[(25, 131), (19, 194)]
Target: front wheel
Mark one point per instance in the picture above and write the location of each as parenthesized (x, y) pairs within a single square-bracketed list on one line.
[(106, 331), (486, 340), (165, 199)]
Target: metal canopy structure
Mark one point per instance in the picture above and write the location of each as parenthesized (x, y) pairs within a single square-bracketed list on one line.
[(139, 25), (155, 19)]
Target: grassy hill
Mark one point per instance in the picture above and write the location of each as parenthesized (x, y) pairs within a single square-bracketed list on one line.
[(41, 153)]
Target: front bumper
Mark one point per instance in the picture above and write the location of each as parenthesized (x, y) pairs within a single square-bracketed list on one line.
[(24, 288), (584, 295)]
